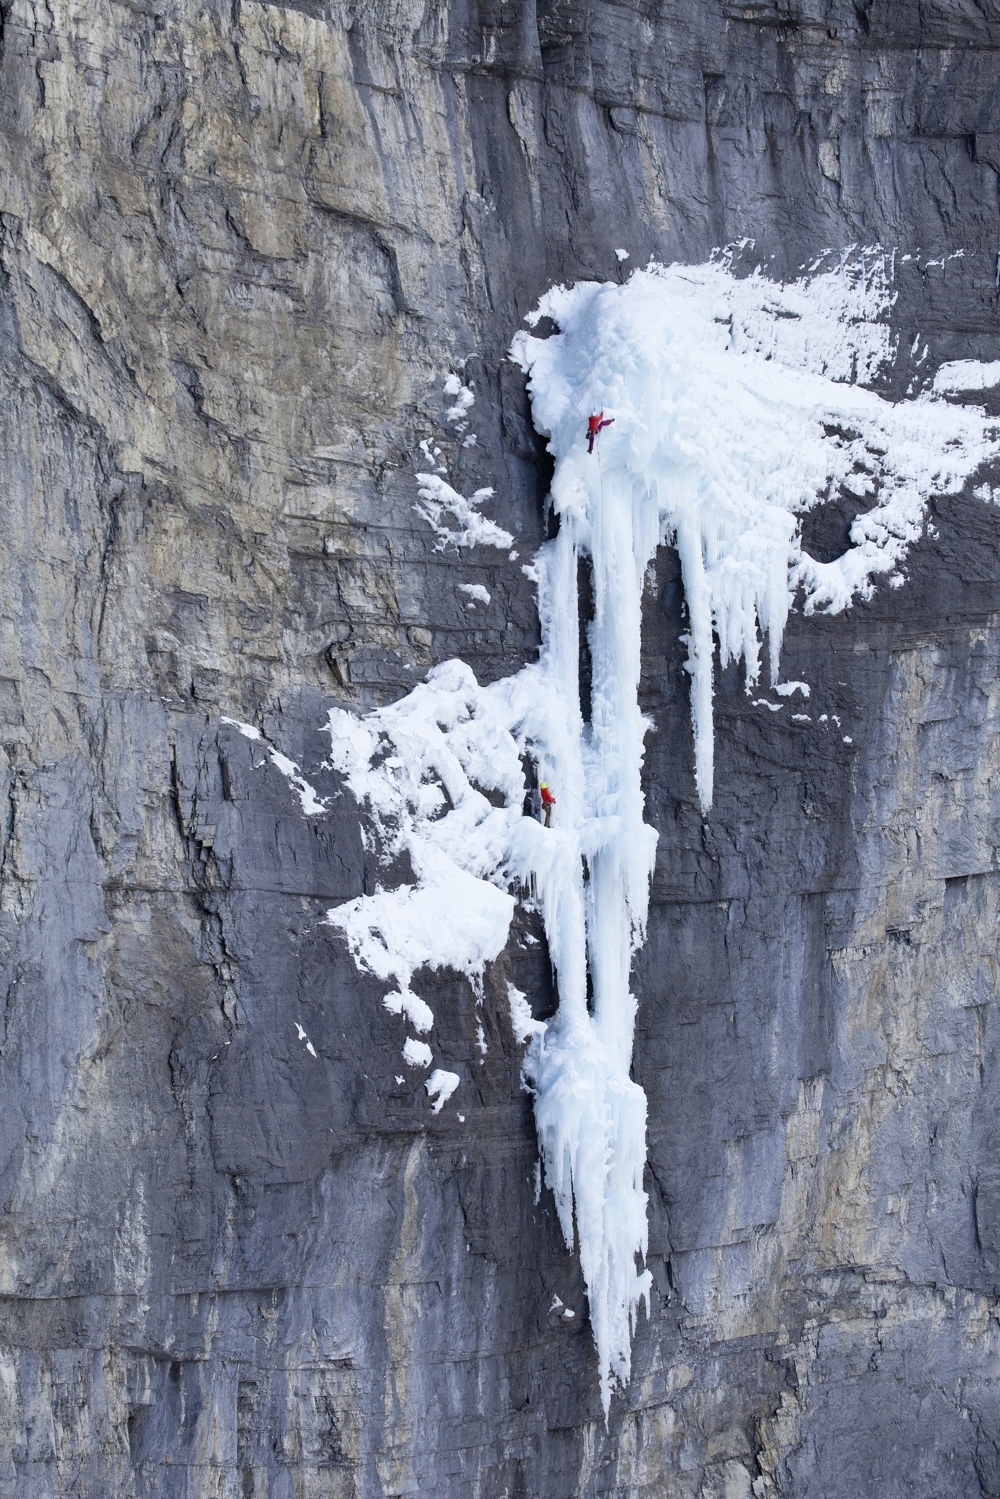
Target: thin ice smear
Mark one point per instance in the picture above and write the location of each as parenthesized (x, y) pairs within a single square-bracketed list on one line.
[(739, 405), (312, 804)]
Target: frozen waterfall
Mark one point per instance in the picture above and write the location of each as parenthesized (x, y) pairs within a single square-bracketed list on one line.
[(739, 404)]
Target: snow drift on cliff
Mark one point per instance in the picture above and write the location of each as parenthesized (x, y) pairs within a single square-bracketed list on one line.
[(734, 413)]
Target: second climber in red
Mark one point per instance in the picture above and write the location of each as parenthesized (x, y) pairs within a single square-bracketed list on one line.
[(548, 802), (595, 425)]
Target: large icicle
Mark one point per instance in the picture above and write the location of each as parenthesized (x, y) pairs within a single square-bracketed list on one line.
[(734, 414)]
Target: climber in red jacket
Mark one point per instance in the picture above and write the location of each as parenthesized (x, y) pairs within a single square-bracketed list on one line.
[(548, 802), (595, 425)]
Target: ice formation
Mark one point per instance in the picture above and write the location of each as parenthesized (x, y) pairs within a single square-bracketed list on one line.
[(739, 404), (522, 1022), (438, 501), (735, 414)]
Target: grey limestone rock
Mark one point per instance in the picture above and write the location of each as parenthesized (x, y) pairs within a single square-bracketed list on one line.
[(241, 246)]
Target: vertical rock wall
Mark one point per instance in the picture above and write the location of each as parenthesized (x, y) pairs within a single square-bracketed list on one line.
[(241, 246)]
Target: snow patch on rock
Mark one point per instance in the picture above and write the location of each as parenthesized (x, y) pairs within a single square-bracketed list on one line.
[(464, 399), (438, 501), (966, 374), (417, 1053), (440, 1086)]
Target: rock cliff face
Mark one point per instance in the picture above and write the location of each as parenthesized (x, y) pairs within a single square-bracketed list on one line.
[(241, 246)]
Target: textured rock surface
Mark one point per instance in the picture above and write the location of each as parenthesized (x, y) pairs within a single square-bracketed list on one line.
[(241, 247)]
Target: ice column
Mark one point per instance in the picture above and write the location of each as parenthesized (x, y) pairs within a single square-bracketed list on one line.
[(590, 1115)]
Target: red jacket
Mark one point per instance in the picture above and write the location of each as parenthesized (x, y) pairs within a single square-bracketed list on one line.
[(548, 800)]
